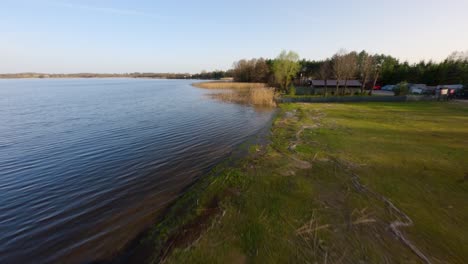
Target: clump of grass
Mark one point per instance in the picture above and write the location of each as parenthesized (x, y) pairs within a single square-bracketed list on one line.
[(228, 85)]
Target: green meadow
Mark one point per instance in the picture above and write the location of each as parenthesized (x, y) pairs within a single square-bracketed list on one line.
[(338, 183)]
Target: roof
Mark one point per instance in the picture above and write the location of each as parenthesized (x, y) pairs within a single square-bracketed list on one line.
[(418, 85), (349, 83), (451, 86)]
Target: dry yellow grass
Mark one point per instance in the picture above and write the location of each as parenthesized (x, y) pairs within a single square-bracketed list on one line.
[(228, 85), (262, 96), (243, 93)]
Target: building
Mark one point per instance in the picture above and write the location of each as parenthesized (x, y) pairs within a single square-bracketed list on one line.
[(352, 86), (450, 86)]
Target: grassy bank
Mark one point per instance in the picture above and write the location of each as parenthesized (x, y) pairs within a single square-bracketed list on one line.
[(244, 93), (339, 183)]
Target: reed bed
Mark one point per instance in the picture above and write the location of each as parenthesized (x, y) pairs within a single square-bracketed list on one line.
[(243, 93), (262, 96), (228, 85)]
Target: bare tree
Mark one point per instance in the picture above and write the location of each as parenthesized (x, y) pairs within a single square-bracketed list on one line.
[(261, 71), (324, 73), (253, 70), (376, 73), (339, 68), (344, 68), (350, 69), (366, 68)]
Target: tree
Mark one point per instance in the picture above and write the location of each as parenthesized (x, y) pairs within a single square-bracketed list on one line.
[(285, 67), (366, 66), (344, 68), (376, 69), (401, 89), (339, 68), (261, 71), (242, 70), (324, 73), (350, 68), (460, 56), (253, 70)]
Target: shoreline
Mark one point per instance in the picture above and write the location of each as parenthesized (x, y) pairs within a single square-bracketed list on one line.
[(136, 251), (306, 185)]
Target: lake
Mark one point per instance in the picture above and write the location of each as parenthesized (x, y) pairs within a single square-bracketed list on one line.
[(87, 164)]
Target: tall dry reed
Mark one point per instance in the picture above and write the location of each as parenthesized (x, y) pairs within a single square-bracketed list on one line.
[(262, 96), (242, 93), (228, 85)]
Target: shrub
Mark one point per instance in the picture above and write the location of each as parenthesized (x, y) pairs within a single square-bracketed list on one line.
[(401, 89), (292, 90)]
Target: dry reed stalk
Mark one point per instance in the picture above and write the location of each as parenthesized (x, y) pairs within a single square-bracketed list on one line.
[(254, 96), (228, 85), (262, 96)]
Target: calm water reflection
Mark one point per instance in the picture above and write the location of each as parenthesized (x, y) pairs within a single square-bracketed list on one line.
[(85, 164)]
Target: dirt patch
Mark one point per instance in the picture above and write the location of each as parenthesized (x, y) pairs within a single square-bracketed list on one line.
[(192, 231), (143, 251), (236, 257)]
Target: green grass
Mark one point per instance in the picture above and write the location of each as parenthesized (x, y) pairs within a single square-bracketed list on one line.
[(272, 208)]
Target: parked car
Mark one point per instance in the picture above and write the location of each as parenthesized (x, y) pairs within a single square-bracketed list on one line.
[(388, 87), (417, 88), (462, 93)]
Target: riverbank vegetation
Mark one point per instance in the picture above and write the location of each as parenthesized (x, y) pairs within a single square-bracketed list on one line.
[(257, 94), (229, 85), (337, 184)]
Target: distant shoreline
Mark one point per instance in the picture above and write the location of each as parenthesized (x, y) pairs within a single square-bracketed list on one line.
[(121, 77), (183, 76)]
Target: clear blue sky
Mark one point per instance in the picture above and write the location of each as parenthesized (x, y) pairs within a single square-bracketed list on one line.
[(189, 36)]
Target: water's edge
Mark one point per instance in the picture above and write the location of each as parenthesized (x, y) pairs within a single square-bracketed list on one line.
[(134, 250)]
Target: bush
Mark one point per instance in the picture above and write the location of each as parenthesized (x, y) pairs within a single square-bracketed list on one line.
[(292, 90), (401, 89)]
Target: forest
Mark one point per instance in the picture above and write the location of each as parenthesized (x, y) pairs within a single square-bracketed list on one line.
[(363, 66)]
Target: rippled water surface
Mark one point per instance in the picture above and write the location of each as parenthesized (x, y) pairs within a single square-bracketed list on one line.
[(85, 164)]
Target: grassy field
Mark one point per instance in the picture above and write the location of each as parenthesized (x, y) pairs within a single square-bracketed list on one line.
[(339, 183)]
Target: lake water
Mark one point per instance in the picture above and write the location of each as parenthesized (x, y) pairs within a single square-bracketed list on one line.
[(85, 164)]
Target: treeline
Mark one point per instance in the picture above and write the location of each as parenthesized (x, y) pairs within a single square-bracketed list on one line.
[(279, 73), (370, 69), (453, 70), (287, 69), (214, 75)]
